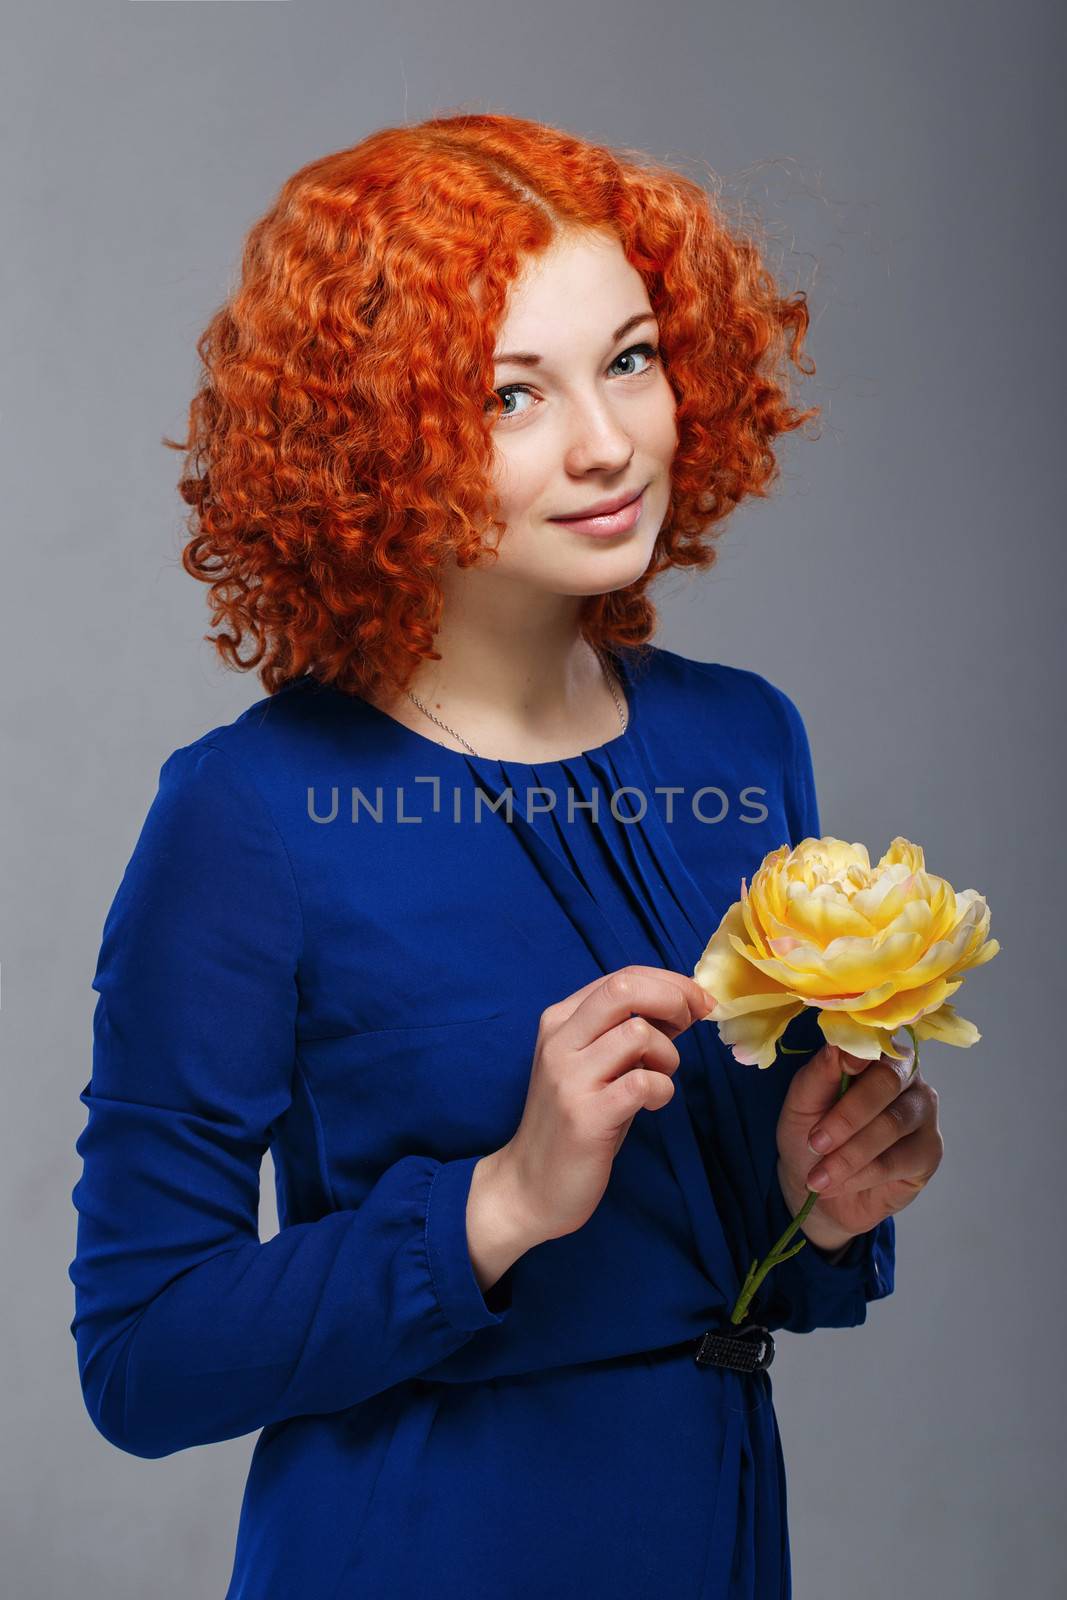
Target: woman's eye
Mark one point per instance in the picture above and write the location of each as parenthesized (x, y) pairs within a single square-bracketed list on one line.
[(649, 351), (504, 394)]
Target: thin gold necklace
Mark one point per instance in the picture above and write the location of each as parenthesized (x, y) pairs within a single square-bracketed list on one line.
[(604, 664)]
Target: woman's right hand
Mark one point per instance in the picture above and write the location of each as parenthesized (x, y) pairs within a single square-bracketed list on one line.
[(595, 1066)]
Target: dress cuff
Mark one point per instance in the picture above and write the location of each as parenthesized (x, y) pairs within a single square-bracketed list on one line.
[(842, 1256), (448, 1253)]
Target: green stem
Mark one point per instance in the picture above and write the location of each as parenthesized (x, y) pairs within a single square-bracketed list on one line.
[(758, 1271)]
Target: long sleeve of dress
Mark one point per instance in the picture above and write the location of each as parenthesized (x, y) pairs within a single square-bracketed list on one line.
[(811, 1289), (188, 1328)]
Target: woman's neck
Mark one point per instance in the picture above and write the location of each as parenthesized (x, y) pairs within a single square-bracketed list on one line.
[(512, 705)]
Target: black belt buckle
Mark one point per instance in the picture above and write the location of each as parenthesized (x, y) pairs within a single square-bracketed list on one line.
[(748, 1349)]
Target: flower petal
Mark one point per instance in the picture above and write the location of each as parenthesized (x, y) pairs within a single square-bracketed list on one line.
[(947, 1026), (847, 1034), (979, 959), (904, 852), (754, 1038), (825, 913), (726, 971), (908, 1005)]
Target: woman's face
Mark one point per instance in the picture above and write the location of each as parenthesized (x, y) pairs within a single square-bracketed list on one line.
[(591, 420)]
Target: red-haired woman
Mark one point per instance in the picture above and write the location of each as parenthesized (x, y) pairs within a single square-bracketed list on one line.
[(422, 921)]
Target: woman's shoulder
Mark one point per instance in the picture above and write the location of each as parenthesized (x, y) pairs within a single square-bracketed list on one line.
[(719, 690), (274, 737)]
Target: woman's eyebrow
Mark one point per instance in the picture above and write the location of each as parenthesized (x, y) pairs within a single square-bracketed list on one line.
[(524, 358)]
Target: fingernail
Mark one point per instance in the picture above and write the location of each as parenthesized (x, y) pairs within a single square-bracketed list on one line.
[(820, 1142), (818, 1179)]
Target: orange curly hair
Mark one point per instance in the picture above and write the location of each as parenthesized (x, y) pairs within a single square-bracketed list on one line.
[(340, 442)]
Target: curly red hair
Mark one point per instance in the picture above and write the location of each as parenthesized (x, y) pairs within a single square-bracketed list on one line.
[(340, 442)]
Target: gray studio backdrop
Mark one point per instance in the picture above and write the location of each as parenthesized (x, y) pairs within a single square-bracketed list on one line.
[(904, 584)]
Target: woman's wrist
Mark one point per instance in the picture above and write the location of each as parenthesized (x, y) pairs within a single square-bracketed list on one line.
[(821, 1233), (497, 1234)]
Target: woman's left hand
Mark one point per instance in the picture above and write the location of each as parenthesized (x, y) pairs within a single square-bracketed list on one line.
[(886, 1143)]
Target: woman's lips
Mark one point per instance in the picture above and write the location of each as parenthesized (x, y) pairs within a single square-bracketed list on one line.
[(603, 527)]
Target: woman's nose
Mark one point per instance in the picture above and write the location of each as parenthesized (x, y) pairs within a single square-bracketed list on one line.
[(597, 440)]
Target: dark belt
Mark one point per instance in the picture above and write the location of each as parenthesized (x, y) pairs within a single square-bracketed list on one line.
[(749, 1348)]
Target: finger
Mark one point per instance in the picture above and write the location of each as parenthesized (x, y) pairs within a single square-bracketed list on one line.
[(699, 1000), (896, 1177), (816, 1085), (866, 1159), (667, 998), (876, 1085), (633, 1042), (851, 1064)]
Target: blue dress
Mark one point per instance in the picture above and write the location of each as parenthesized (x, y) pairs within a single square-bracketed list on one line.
[(334, 940)]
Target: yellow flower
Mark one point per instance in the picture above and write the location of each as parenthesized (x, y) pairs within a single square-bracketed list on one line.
[(876, 949)]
